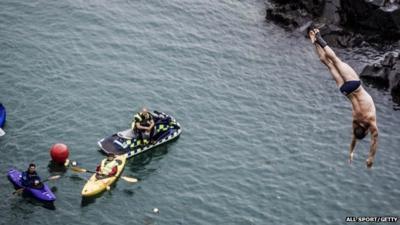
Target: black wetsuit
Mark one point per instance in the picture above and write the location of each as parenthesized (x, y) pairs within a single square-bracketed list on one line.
[(140, 118)]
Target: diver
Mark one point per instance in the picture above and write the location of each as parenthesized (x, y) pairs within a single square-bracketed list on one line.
[(363, 108), (30, 178), (143, 124)]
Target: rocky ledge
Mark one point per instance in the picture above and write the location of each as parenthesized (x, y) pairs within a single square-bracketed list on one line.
[(385, 74), (348, 24)]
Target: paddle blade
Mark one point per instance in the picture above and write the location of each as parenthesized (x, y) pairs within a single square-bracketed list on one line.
[(18, 191), (78, 169), (51, 178), (54, 177), (2, 132), (129, 179)]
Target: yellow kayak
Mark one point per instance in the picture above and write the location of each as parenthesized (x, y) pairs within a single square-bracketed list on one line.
[(95, 186)]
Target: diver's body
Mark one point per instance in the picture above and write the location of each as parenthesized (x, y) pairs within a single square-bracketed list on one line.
[(363, 108)]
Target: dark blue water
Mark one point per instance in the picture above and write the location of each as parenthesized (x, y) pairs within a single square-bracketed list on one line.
[(265, 131)]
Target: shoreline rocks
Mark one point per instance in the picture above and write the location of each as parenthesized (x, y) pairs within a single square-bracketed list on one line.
[(348, 23), (385, 75)]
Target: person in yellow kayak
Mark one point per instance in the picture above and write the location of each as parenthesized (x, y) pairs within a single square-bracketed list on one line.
[(108, 167), (143, 124)]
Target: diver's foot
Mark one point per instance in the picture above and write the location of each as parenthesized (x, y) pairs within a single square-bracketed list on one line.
[(318, 38), (317, 34), (311, 35)]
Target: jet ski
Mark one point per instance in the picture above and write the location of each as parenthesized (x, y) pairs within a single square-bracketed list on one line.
[(130, 143)]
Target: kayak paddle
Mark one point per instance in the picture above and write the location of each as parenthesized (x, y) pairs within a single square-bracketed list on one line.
[(82, 170), (18, 191), (2, 132)]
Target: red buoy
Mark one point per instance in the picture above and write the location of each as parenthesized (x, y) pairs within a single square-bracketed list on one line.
[(59, 153)]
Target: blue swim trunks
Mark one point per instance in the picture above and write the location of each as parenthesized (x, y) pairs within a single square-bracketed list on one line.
[(349, 86)]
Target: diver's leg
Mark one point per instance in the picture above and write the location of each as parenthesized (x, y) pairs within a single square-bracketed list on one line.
[(328, 63), (335, 74), (343, 68), (320, 51)]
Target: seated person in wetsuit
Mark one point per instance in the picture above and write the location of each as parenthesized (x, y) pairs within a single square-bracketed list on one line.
[(143, 124), (108, 167), (30, 178)]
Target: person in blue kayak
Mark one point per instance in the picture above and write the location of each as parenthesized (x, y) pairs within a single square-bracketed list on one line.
[(30, 178), (108, 167), (143, 124), (364, 112)]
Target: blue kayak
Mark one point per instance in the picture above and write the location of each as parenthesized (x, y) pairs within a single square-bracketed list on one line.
[(2, 115), (43, 193)]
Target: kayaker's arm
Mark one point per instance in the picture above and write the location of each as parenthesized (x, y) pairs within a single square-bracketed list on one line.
[(24, 180), (98, 169), (29, 180), (113, 171), (37, 180)]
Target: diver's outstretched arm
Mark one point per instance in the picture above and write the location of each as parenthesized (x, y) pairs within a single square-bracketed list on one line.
[(352, 145), (374, 144)]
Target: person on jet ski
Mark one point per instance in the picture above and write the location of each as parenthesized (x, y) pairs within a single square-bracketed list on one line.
[(30, 178), (143, 124)]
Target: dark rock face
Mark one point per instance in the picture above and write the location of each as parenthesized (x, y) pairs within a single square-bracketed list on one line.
[(293, 14), (385, 74), (345, 23), (290, 15), (315, 7), (372, 17)]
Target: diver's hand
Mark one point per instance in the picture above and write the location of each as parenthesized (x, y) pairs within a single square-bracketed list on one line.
[(370, 162), (351, 157)]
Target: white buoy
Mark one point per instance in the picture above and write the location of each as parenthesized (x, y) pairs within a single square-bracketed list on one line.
[(155, 210), (74, 163)]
